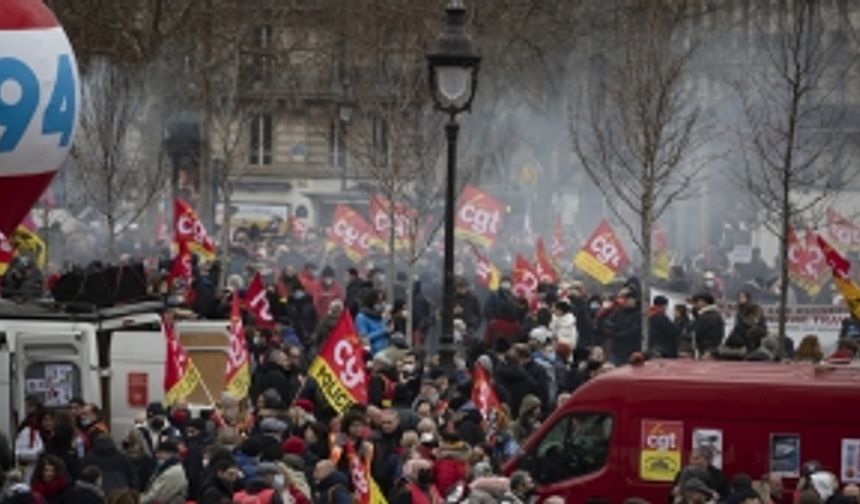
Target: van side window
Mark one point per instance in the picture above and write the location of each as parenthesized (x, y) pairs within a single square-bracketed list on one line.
[(576, 445)]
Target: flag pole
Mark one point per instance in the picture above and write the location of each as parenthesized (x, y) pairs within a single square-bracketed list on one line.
[(206, 390)]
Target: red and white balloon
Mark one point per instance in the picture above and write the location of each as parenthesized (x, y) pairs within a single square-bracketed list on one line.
[(39, 104)]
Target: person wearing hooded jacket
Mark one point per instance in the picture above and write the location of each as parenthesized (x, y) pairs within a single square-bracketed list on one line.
[(332, 485), (117, 471), (169, 485), (563, 326), (370, 324)]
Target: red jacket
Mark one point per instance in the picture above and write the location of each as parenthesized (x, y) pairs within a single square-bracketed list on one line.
[(323, 296), (447, 472), (500, 328)]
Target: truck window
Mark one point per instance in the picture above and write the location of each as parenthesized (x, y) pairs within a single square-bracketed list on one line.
[(55, 382), (576, 445)]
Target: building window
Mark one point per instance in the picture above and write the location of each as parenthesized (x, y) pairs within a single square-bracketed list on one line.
[(336, 145), (263, 37), (380, 141), (262, 59), (261, 140)]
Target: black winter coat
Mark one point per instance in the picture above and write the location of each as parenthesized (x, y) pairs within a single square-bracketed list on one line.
[(117, 471), (708, 330), (516, 382), (471, 311), (624, 327), (664, 336), (86, 493), (272, 376), (215, 492)]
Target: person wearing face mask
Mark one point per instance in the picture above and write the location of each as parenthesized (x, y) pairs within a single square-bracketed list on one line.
[(370, 323), (327, 291), (157, 427), (417, 485), (301, 312)]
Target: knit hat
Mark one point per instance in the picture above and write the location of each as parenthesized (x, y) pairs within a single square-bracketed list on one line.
[(293, 446), (305, 404), (273, 426)]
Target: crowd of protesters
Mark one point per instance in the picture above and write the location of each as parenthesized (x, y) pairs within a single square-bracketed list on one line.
[(424, 439)]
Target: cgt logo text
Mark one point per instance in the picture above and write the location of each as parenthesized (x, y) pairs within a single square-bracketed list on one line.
[(188, 226), (662, 442), (480, 220), (351, 236)]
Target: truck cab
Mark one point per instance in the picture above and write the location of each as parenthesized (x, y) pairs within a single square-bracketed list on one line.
[(627, 433)]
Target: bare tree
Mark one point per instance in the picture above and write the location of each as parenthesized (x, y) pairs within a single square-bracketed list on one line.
[(117, 178), (792, 163), (639, 143)]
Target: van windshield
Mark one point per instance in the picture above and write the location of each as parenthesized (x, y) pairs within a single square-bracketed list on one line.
[(575, 445)]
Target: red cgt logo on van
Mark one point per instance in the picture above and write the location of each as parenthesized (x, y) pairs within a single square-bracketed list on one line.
[(662, 435)]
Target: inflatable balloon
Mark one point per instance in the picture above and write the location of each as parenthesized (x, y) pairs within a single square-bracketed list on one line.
[(39, 103)]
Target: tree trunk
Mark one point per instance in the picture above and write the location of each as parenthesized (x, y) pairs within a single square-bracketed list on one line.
[(410, 301), (111, 248), (226, 200), (645, 279)]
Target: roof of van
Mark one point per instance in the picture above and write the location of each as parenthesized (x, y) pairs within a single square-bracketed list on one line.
[(54, 311), (737, 373)]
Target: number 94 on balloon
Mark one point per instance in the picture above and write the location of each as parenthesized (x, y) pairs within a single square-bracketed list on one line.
[(39, 95)]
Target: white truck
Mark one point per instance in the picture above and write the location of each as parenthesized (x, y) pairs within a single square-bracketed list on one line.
[(112, 357)]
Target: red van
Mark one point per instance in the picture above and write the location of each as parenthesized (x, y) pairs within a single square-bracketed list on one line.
[(628, 432)]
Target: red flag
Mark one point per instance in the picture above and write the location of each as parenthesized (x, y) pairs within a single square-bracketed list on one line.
[(180, 374), (188, 228), (845, 233), (351, 232), (840, 266), (339, 367), (806, 262), (180, 270), (603, 256), (257, 302), (483, 395), (238, 360), (486, 273), (479, 216), (545, 270), (557, 246), (525, 279)]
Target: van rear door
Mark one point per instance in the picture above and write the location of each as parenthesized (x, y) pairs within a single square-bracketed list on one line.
[(55, 361)]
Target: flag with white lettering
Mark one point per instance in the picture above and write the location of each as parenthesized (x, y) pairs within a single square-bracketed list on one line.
[(543, 265), (339, 367), (188, 228), (238, 360), (257, 302), (479, 217)]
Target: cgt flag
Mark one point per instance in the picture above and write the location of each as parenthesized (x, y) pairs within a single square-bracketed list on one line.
[(485, 271), (806, 262), (238, 361), (351, 232), (479, 217), (525, 278), (381, 211), (366, 489), (188, 228), (845, 233), (543, 265), (180, 374), (483, 396), (840, 266), (339, 367), (602, 257), (257, 301)]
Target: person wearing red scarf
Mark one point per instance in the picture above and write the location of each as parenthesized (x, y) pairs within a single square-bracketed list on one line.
[(50, 480)]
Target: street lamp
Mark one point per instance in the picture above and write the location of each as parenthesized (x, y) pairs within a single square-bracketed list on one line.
[(453, 79)]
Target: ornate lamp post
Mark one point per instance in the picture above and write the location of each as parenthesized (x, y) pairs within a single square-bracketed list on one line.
[(453, 80)]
